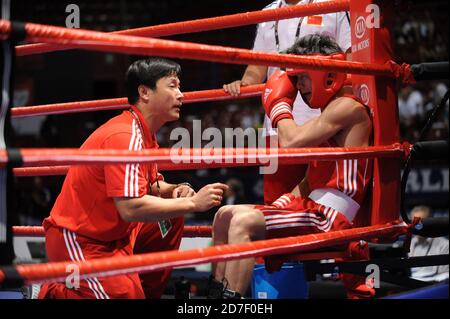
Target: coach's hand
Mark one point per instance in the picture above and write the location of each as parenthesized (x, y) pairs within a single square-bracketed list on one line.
[(183, 190), (209, 196)]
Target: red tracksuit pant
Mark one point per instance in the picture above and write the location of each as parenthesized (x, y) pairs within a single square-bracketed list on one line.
[(64, 245)]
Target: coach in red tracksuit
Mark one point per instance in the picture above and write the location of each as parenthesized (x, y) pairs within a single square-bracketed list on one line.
[(121, 210)]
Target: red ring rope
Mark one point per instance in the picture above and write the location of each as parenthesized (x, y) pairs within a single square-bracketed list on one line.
[(42, 171), (202, 158), (62, 170), (104, 267), (98, 41), (216, 23), (38, 231), (122, 103)]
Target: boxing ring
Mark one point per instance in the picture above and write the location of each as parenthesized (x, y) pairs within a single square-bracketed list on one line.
[(373, 76)]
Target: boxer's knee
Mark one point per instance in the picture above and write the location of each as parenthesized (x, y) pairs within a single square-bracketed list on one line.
[(248, 224), (223, 216)]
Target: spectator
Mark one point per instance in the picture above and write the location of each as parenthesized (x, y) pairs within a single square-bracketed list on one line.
[(421, 246)]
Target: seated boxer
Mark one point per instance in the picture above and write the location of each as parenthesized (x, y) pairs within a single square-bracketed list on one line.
[(330, 195)]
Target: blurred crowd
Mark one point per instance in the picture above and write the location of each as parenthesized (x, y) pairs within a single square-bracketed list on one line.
[(420, 37), (416, 104)]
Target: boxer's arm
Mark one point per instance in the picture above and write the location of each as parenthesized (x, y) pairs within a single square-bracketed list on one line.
[(339, 114)]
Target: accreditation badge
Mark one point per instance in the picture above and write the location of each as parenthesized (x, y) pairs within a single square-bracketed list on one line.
[(165, 226)]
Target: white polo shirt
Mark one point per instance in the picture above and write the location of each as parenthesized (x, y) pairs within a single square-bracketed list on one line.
[(336, 25)]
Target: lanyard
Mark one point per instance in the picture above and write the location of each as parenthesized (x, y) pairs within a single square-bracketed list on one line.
[(297, 34)]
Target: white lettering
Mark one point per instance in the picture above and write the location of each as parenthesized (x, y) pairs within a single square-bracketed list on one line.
[(427, 185), (216, 142), (73, 279), (182, 145), (73, 19), (373, 280), (241, 146), (373, 19), (194, 309), (428, 180)]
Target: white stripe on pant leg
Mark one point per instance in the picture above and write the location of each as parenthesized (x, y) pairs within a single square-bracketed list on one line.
[(274, 210), (327, 211), (281, 218), (321, 225), (331, 214), (298, 219), (308, 221), (94, 280), (333, 217), (80, 257), (293, 225), (278, 216), (69, 249), (345, 177)]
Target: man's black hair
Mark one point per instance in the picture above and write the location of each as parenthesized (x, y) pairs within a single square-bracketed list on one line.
[(148, 72), (315, 44)]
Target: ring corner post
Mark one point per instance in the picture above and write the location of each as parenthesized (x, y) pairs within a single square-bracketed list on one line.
[(371, 25)]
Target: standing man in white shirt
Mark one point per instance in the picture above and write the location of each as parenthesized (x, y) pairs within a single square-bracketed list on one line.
[(277, 36), (421, 246)]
